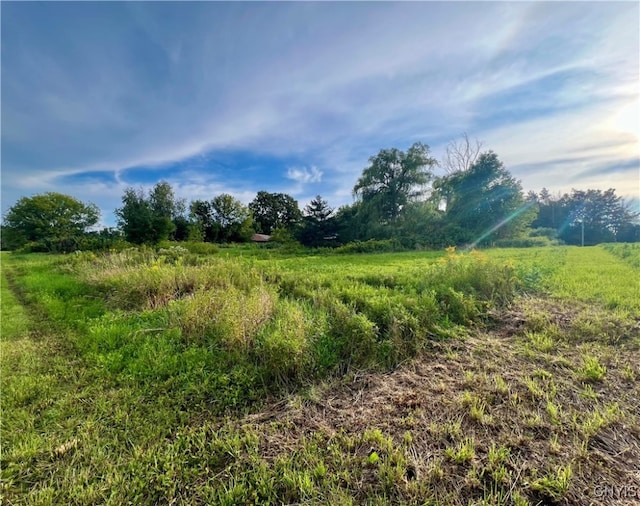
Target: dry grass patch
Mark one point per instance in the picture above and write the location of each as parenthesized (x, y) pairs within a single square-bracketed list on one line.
[(525, 435)]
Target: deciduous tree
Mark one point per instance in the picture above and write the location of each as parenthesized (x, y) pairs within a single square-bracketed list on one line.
[(394, 178), (149, 219), (595, 215), (201, 213), (232, 217), (460, 155), (484, 202), (274, 210), (52, 219)]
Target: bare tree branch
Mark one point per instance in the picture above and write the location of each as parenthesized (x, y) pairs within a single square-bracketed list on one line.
[(460, 155)]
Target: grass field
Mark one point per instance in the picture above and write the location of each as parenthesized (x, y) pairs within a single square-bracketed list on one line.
[(245, 376)]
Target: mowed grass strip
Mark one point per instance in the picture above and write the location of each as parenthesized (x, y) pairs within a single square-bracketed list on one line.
[(595, 275), (14, 322), (71, 434)]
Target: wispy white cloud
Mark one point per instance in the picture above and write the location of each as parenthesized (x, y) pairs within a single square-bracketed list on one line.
[(304, 174)]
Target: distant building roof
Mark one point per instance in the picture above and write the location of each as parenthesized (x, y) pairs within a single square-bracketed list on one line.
[(260, 238)]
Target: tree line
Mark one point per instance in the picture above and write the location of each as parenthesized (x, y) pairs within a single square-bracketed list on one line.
[(397, 198)]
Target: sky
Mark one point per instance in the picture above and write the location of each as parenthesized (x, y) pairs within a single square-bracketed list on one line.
[(294, 97)]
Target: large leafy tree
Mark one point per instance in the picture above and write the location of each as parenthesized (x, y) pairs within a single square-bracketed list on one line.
[(393, 179), (52, 219), (166, 209), (201, 213), (135, 217), (232, 218), (223, 218), (149, 219), (484, 202), (350, 223), (274, 210), (420, 226), (551, 211)]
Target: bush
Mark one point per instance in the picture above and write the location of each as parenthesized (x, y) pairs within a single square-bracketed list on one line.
[(525, 242), (489, 282), (193, 247), (550, 233), (353, 335), (33, 247), (629, 252), (370, 246), (292, 325)]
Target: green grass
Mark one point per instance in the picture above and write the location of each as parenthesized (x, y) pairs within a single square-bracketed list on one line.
[(591, 274), (252, 376), (592, 370), (629, 253), (14, 323)]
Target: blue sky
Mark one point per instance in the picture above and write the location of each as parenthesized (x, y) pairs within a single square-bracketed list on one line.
[(295, 97)]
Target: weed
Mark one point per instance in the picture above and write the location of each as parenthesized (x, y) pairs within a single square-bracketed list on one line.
[(554, 445), (536, 321), (477, 409), (534, 388), (519, 500), (373, 459), (591, 370), (376, 437), (469, 378), (540, 341), (500, 386), (588, 392), (629, 373), (630, 253), (231, 317), (462, 452), (498, 455), (554, 412), (436, 471), (590, 424), (555, 484), (283, 348), (533, 420)]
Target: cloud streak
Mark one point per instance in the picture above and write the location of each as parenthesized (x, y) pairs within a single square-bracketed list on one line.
[(304, 174)]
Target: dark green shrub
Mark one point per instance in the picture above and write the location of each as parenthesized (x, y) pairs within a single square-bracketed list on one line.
[(525, 242), (550, 233), (370, 246)]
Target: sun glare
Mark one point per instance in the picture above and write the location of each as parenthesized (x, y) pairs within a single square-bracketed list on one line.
[(627, 119)]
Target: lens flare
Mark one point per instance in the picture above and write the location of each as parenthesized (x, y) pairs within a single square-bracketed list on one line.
[(500, 224)]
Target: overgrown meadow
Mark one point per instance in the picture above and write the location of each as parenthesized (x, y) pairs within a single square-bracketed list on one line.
[(253, 376)]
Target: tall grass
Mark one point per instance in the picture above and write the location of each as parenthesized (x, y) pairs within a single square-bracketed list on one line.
[(172, 316)]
